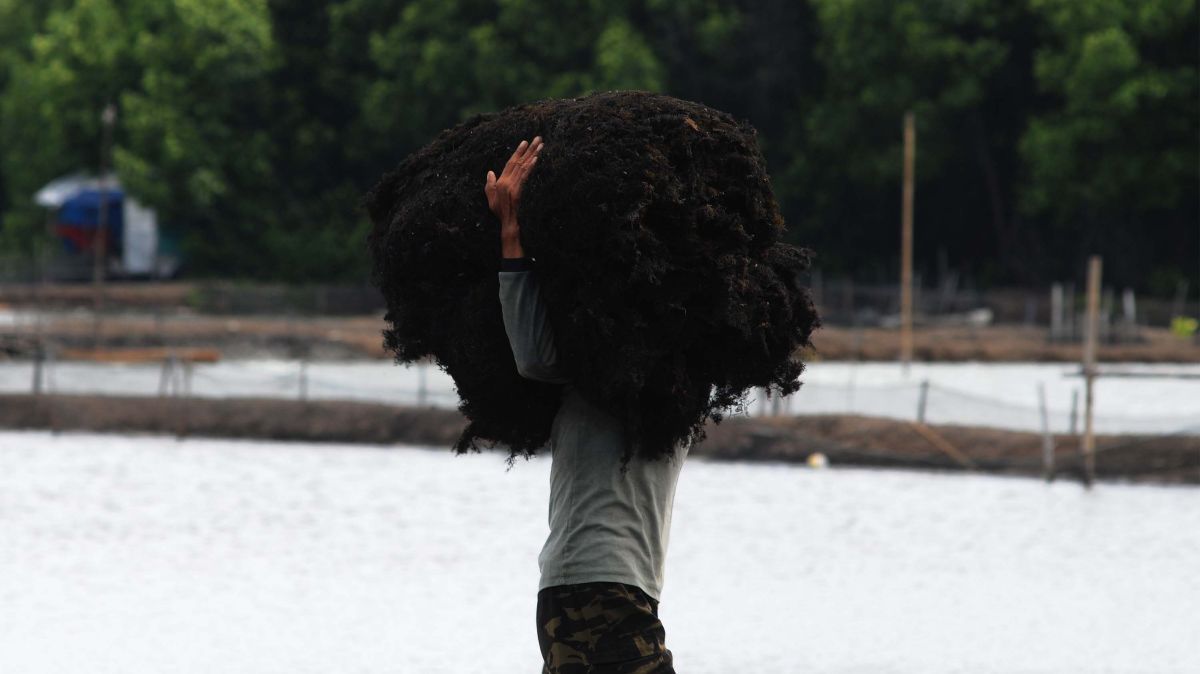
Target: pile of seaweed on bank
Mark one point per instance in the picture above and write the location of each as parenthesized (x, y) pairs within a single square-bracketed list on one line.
[(657, 240)]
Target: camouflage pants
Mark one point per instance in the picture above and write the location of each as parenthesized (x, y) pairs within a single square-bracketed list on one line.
[(601, 628)]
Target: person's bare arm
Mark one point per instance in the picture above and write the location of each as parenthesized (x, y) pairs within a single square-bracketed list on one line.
[(525, 319)]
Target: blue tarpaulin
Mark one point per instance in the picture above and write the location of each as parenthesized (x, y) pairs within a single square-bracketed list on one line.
[(75, 200), (83, 209), (131, 229)]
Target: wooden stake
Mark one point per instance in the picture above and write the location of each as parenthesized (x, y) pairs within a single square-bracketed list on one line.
[(1047, 438), (1179, 305), (943, 445), (906, 243), (100, 242), (1071, 317), (166, 376), (1129, 313), (922, 401), (1074, 412), (304, 378), (38, 362), (1056, 312), (1092, 329)]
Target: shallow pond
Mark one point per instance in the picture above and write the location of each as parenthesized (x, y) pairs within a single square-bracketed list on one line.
[(145, 554)]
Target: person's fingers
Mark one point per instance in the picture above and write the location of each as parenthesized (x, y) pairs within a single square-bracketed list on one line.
[(489, 187), (518, 164), (514, 160), (520, 151), (532, 160), (523, 175), (535, 146), (521, 171)]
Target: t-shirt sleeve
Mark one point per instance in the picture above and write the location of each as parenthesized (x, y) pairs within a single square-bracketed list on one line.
[(526, 323)]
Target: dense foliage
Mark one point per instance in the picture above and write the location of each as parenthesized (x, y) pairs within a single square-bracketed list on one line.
[(1047, 129)]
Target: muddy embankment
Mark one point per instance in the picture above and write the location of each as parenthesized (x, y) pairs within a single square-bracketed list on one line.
[(356, 337), (843, 440), (277, 321)]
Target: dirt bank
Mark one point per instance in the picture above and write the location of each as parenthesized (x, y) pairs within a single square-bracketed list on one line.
[(239, 336), (268, 419), (998, 343), (845, 440), (874, 441)]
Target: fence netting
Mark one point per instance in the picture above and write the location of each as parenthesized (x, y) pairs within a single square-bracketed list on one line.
[(1120, 410)]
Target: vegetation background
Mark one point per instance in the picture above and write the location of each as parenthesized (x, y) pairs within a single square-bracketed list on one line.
[(1048, 129)]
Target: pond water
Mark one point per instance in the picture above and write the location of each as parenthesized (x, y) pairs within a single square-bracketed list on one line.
[(128, 554)]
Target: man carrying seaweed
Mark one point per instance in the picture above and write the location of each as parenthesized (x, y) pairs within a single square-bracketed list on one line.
[(602, 564)]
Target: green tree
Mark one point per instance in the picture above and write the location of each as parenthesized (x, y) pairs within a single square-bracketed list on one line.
[(19, 22), (195, 141), (444, 60), (958, 66), (39, 139), (752, 58), (1112, 164), (1047, 128), (186, 77)]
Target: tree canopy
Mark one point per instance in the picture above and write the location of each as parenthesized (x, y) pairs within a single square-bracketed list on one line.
[(1048, 129)]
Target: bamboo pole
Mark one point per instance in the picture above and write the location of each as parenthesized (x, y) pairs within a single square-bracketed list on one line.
[(1056, 312), (1074, 412), (1071, 316), (937, 440), (38, 363), (906, 243), (1089, 368), (1129, 315), (1047, 438), (100, 243), (303, 379)]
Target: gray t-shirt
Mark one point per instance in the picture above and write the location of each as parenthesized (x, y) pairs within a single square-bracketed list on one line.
[(605, 525)]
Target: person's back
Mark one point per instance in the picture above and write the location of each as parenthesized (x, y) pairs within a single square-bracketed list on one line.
[(605, 523), (602, 564)]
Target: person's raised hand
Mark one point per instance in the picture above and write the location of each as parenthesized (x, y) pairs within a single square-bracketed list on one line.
[(504, 193)]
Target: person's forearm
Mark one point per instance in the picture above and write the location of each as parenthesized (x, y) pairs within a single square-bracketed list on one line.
[(510, 241), (525, 321)]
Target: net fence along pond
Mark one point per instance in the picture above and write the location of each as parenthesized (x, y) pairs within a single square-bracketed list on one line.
[(1001, 395)]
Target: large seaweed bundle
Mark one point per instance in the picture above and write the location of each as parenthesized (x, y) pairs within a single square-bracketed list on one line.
[(657, 240)]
